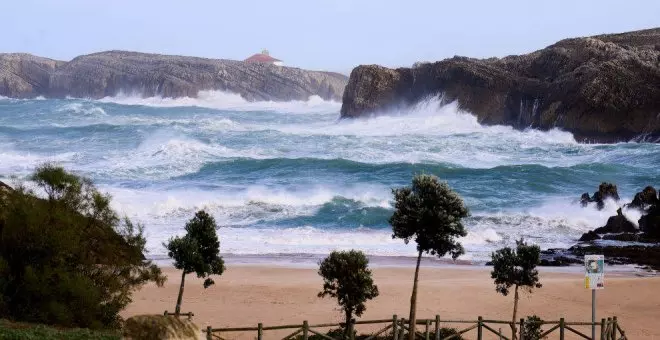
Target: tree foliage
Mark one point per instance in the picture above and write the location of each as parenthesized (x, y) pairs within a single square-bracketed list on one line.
[(430, 213), (68, 259), (198, 251), (347, 278), (532, 328), (516, 267)]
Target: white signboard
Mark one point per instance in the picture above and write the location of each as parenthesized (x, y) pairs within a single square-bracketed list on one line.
[(594, 266)]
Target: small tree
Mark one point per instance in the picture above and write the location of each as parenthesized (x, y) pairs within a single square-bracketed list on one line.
[(429, 213), (516, 268), (346, 276), (197, 251)]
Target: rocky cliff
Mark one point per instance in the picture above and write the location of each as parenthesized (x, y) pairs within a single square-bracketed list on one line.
[(109, 73), (603, 88)]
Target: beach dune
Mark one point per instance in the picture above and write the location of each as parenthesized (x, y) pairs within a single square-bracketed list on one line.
[(274, 295)]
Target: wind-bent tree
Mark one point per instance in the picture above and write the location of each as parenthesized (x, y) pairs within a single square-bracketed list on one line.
[(197, 251), (67, 258), (516, 268), (346, 276), (429, 213)]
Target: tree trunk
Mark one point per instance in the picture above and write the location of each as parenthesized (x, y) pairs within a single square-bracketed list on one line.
[(347, 326), (515, 312), (177, 310), (413, 302)]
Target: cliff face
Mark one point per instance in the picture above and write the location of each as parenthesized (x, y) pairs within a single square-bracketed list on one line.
[(603, 88), (109, 73)]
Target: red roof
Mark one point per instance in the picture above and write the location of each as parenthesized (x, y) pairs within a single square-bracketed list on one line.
[(261, 58)]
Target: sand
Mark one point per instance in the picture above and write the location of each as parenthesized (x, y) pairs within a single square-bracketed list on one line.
[(274, 295)]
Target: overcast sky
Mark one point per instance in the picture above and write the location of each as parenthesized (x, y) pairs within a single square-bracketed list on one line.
[(318, 34)]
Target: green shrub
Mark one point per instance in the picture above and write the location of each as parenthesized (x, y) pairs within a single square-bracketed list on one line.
[(68, 259), (13, 331), (532, 328)]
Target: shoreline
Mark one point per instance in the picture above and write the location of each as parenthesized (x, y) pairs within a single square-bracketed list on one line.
[(310, 261)]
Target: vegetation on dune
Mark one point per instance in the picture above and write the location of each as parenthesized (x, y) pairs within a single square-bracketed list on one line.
[(23, 331), (68, 259), (198, 251), (430, 213)]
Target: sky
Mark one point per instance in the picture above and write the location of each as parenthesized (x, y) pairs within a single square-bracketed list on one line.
[(333, 35)]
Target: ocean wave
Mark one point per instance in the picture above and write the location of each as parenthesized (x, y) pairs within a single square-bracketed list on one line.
[(229, 101), (21, 163), (84, 109)]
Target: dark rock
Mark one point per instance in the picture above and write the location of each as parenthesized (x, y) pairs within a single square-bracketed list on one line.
[(640, 255), (644, 199), (625, 237), (602, 88), (650, 223), (585, 199), (617, 224), (110, 73), (589, 236), (605, 191)]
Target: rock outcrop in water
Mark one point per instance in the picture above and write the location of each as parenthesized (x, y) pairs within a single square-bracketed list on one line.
[(110, 73), (619, 228), (604, 88), (605, 191)]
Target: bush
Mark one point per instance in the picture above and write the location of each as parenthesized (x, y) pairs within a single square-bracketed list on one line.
[(68, 259), (532, 328)]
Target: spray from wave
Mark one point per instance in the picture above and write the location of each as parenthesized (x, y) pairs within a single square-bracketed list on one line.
[(229, 101)]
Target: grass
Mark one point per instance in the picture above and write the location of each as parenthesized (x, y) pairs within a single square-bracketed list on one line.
[(23, 331)]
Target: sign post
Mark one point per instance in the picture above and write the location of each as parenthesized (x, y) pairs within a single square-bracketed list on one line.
[(594, 278)]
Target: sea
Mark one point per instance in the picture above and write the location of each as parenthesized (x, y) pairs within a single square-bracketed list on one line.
[(291, 180)]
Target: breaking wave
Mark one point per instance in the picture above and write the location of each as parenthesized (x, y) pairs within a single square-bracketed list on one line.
[(229, 101)]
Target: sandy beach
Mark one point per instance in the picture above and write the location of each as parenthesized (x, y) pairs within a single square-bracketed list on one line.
[(274, 295)]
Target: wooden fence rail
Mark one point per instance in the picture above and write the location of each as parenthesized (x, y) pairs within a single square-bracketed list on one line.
[(397, 329)]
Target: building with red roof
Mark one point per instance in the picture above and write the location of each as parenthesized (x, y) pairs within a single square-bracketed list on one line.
[(263, 57)]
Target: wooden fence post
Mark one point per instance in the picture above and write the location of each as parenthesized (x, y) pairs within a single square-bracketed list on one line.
[(427, 336), (561, 329), (402, 329), (602, 329), (305, 330), (614, 327), (395, 327), (260, 331), (520, 330), (437, 327), (480, 329), (209, 333)]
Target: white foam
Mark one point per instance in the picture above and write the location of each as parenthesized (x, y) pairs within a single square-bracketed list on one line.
[(21, 163), (83, 109), (229, 101)]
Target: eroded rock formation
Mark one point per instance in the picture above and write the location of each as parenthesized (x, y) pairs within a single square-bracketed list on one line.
[(110, 73), (604, 88)]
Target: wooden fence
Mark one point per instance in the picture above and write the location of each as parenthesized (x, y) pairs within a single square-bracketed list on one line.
[(607, 329)]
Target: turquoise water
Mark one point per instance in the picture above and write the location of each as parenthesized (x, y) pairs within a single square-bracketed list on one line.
[(291, 178)]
